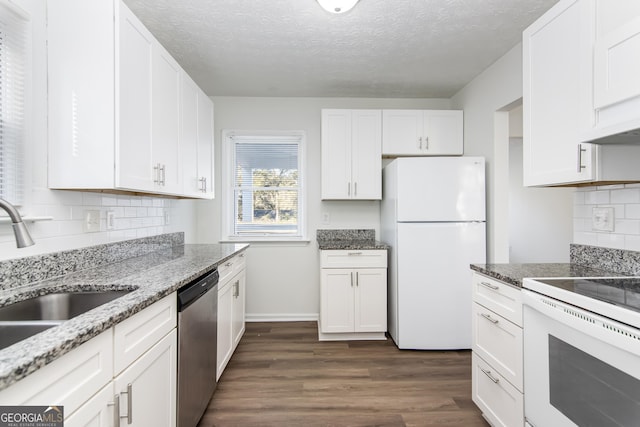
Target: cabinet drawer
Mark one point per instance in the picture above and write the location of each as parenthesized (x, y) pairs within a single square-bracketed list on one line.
[(500, 402), (231, 267), (503, 299), (499, 342), (353, 259), (69, 380), (137, 334)]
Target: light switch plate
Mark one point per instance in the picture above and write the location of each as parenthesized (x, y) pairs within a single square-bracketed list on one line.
[(603, 219)]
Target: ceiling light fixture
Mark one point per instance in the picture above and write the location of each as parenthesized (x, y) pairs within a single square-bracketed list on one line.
[(337, 6)]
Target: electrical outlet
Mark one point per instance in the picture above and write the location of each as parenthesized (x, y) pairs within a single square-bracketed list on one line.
[(91, 221), (603, 219), (326, 218)]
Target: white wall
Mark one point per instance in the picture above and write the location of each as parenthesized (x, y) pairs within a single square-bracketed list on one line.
[(283, 279), (486, 101), (540, 219), (135, 216), (624, 199)]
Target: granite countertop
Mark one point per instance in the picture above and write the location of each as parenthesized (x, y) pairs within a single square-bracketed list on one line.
[(150, 277), (514, 273), (349, 240)]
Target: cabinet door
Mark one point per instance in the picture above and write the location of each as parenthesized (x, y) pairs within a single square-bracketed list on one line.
[(337, 300), (238, 309), (555, 66), (336, 154), (371, 300), (149, 384), (134, 51), (366, 149), (165, 131), (225, 320), (99, 411), (443, 132), (205, 146), (616, 59), (189, 136), (402, 132)]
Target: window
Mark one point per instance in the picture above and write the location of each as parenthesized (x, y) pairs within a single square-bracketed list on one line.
[(14, 42), (263, 186)]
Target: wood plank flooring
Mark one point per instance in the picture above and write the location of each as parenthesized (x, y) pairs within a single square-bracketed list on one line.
[(281, 375)]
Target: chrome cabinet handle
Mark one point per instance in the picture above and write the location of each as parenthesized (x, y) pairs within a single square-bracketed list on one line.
[(164, 176), (241, 255), (229, 264), (354, 253), (491, 377), (156, 174), (426, 142), (489, 318), (348, 189), (490, 286), (357, 278), (203, 184), (116, 410), (420, 143), (355, 188), (129, 394), (351, 274), (580, 165), (236, 289)]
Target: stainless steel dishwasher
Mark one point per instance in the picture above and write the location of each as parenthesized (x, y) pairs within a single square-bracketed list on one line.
[(197, 347)]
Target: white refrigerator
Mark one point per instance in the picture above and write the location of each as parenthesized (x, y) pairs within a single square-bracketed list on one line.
[(433, 217)]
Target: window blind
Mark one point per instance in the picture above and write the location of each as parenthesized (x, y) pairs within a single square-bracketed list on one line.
[(14, 43), (266, 185)]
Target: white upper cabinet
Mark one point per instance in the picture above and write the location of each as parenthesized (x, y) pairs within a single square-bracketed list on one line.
[(615, 106), (133, 141), (557, 76), (351, 155), (196, 145), (114, 102), (422, 132)]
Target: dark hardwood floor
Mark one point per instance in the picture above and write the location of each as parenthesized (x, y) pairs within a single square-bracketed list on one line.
[(281, 375)]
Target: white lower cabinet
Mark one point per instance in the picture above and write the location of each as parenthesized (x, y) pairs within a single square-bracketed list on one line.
[(497, 371), (353, 301), (147, 388), (231, 308), (87, 382)]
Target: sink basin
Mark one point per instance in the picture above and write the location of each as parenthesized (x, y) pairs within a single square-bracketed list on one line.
[(13, 332), (58, 306), (23, 319)]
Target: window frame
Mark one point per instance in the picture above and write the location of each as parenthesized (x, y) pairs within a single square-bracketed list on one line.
[(228, 202)]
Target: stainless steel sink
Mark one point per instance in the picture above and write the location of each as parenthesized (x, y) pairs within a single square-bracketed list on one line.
[(58, 306), (26, 318), (13, 332)]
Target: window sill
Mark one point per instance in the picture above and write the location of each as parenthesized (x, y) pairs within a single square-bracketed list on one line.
[(300, 241)]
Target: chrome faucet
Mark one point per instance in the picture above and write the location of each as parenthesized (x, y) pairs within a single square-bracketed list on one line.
[(23, 239)]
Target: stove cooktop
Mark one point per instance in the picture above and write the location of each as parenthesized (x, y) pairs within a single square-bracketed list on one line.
[(617, 298), (622, 291)]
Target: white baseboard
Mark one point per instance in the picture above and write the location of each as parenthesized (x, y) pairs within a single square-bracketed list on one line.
[(281, 317)]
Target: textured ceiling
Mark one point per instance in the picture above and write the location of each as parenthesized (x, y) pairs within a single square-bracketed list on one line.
[(381, 48)]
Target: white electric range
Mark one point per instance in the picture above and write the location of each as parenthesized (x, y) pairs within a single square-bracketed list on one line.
[(582, 351)]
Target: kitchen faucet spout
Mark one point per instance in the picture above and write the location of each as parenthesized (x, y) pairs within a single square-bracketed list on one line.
[(23, 239)]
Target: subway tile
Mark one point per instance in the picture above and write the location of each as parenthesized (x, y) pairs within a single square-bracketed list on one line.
[(597, 197), (585, 238), (582, 211), (632, 243), (130, 212), (109, 201), (141, 212), (627, 195), (627, 226), (632, 211), (610, 240), (578, 198), (124, 201)]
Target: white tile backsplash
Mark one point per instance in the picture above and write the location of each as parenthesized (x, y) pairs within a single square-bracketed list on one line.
[(135, 216), (625, 199)]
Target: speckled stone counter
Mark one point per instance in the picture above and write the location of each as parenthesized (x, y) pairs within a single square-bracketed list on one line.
[(585, 261), (349, 240), (514, 273), (150, 277)]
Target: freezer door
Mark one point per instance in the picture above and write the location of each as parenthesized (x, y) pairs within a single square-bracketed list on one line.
[(440, 189), (434, 283)]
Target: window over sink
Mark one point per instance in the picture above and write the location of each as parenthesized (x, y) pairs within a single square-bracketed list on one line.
[(263, 186)]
